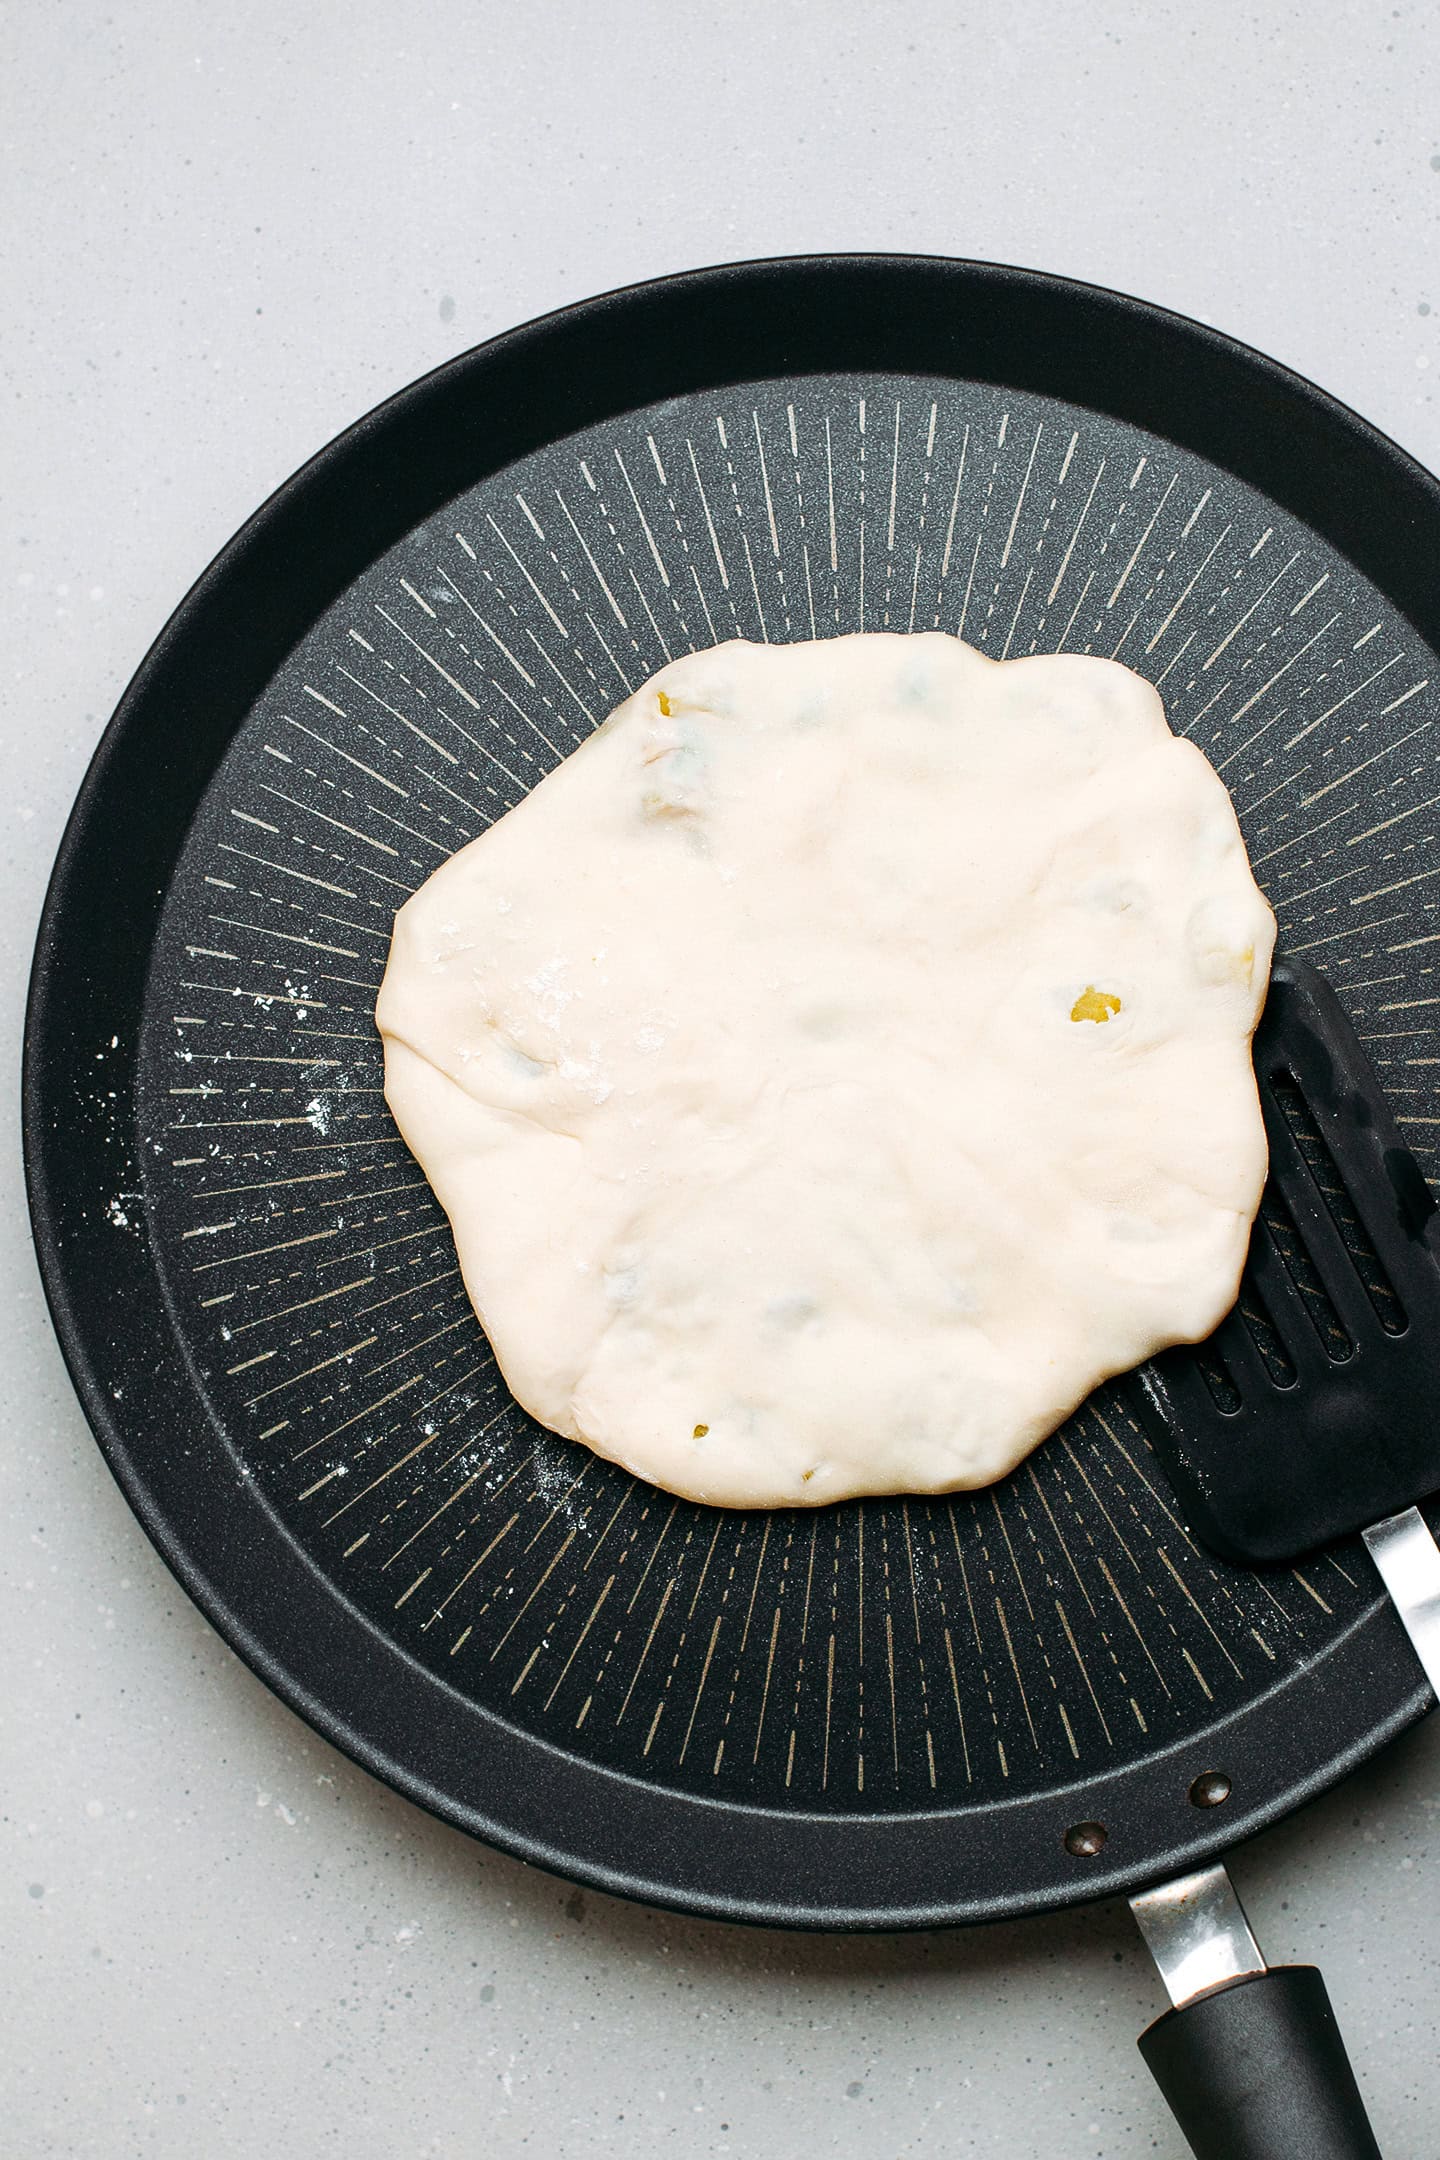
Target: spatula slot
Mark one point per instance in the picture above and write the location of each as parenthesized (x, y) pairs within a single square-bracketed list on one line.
[(1277, 1221), (1216, 1375), (1365, 1260), (1266, 1336)]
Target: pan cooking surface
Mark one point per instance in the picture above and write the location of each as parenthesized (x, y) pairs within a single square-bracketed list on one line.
[(895, 1653)]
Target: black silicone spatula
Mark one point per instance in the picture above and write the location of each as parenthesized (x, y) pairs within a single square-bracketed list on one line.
[(1312, 1413), (1314, 1410)]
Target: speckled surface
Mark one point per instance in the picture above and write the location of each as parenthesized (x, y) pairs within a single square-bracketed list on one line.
[(229, 239)]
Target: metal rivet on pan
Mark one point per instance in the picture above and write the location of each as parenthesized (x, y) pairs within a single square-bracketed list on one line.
[(1210, 1788), (1084, 1839)]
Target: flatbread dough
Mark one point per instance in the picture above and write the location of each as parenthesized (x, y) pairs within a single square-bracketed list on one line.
[(841, 1063)]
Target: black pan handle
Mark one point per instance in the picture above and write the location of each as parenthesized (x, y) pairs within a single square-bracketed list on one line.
[(1257, 2070)]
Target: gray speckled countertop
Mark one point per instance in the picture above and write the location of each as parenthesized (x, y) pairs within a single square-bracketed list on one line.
[(227, 237)]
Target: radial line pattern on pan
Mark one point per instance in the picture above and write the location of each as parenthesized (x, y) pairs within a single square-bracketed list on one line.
[(894, 1651)]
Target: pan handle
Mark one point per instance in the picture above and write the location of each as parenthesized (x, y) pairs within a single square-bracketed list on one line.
[(1257, 2070), (1250, 2059)]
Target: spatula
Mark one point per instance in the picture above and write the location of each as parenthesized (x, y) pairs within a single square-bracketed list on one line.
[(1312, 1413)]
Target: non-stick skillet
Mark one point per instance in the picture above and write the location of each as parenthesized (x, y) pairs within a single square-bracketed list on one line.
[(895, 1714)]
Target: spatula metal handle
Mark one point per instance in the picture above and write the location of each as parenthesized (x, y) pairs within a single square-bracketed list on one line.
[(1250, 2059), (1408, 1559)]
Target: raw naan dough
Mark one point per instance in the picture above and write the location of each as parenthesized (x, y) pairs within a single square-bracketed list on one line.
[(841, 1063)]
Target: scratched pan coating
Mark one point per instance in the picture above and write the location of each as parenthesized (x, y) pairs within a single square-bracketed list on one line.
[(881, 1714)]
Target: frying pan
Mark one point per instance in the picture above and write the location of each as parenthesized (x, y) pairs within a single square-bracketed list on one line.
[(886, 1714)]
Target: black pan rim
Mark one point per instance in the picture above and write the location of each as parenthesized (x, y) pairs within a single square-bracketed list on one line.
[(357, 1690)]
